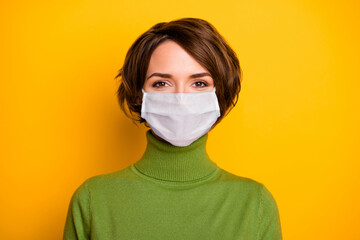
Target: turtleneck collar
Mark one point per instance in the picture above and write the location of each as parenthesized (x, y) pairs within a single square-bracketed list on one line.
[(166, 162)]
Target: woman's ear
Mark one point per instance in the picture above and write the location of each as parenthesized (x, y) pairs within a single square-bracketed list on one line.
[(138, 100)]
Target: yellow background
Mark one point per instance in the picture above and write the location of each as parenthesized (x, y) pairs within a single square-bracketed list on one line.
[(295, 128)]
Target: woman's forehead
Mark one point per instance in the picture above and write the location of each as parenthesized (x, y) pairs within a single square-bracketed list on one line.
[(169, 57)]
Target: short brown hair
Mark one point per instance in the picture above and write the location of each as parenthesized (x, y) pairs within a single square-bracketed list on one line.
[(202, 41)]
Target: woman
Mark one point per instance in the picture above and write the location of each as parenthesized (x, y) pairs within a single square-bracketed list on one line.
[(180, 78)]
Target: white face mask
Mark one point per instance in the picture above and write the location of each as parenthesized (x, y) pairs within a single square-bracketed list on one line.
[(180, 118)]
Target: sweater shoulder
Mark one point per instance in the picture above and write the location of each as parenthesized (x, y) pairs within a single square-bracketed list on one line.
[(107, 179), (250, 186), (239, 180), (243, 184)]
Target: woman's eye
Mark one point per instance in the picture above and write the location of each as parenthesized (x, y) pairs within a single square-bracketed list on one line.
[(200, 84), (159, 84)]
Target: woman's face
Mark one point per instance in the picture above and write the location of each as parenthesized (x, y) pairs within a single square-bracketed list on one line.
[(172, 69)]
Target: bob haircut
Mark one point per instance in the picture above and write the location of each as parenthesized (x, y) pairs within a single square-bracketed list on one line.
[(202, 41)]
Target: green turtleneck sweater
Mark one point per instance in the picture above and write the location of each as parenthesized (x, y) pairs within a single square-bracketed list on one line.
[(172, 193)]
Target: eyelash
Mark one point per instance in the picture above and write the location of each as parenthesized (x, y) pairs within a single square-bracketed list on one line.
[(156, 84), (204, 84)]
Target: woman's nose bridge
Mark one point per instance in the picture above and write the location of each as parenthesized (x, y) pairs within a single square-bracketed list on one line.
[(180, 87)]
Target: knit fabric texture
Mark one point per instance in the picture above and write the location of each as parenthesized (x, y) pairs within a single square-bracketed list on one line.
[(172, 193)]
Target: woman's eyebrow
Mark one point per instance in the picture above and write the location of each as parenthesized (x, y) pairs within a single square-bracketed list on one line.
[(166, 75), (197, 75)]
